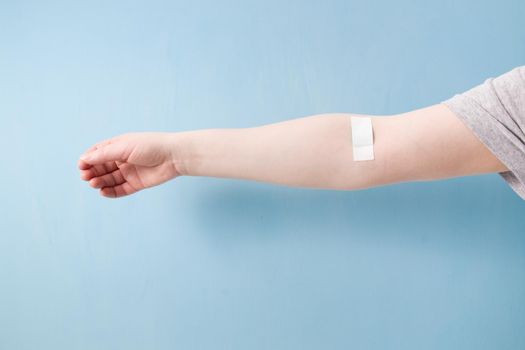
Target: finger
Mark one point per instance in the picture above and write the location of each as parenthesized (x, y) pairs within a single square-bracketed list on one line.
[(98, 145), (121, 190), (87, 174), (83, 165), (108, 153), (105, 142), (98, 170), (114, 178)]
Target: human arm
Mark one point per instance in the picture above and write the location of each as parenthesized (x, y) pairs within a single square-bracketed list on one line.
[(315, 152)]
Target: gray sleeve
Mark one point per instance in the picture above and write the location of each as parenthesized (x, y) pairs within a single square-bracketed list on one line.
[(495, 112)]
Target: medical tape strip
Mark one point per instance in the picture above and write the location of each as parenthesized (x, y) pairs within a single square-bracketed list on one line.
[(362, 138)]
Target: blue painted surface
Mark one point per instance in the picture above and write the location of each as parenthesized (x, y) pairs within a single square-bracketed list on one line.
[(204, 263)]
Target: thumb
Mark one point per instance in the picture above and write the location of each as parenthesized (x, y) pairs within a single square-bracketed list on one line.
[(108, 153)]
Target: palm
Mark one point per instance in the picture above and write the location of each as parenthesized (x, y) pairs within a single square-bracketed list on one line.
[(140, 176)]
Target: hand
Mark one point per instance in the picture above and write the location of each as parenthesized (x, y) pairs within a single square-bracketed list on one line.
[(130, 162)]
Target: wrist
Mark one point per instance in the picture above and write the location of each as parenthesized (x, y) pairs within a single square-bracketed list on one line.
[(209, 152), (179, 152)]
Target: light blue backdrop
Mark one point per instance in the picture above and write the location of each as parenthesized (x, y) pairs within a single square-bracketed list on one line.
[(207, 263)]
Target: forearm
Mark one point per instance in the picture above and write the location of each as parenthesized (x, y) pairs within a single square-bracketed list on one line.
[(313, 151)]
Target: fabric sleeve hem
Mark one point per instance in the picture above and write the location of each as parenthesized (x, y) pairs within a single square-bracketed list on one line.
[(487, 130)]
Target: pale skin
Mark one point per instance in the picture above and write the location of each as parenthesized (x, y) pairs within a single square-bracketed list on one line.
[(426, 144)]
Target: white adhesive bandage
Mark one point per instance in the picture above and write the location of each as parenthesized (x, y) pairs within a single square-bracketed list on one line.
[(362, 138)]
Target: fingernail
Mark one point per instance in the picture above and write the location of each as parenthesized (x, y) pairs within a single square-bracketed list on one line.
[(85, 157)]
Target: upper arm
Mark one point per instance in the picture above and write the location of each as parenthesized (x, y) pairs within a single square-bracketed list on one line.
[(428, 144)]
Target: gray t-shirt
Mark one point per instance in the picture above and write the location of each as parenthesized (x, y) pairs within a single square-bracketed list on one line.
[(495, 112)]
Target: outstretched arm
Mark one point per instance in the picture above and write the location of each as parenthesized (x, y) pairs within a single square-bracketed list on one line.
[(316, 151)]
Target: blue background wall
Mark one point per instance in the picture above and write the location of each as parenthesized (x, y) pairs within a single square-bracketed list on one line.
[(207, 263)]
